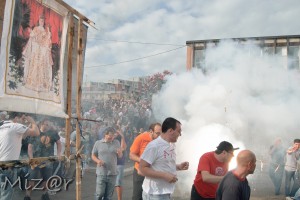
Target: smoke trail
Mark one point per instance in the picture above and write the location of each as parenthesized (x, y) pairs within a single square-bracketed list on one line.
[(246, 98)]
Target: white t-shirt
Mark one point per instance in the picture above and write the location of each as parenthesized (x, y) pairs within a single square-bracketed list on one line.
[(161, 155), (11, 140)]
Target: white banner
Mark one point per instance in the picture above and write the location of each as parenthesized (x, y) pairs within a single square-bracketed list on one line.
[(32, 57)]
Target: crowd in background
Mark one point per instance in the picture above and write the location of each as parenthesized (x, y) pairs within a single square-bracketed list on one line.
[(131, 116)]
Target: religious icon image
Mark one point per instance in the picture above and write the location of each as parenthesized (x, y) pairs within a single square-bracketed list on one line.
[(33, 69), (38, 59)]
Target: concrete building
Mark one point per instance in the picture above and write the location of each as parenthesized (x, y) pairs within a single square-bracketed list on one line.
[(94, 92), (287, 46)]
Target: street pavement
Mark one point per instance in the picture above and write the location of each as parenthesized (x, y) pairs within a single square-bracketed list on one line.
[(261, 188)]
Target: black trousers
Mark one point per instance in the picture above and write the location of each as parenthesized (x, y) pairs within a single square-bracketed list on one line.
[(137, 193), (196, 196)]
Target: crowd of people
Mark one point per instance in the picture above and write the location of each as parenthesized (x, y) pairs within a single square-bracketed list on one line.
[(120, 117), (109, 140), (131, 116)]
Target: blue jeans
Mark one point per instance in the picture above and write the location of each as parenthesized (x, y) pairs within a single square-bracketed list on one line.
[(276, 174), (297, 195), (156, 196), (289, 176), (6, 189), (45, 172), (105, 185)]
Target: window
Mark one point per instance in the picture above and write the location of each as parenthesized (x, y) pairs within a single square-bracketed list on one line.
[(199, 58), (293, 57)]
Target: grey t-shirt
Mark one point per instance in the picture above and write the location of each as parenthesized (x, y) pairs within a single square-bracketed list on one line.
[(107, 151), (291, 160)]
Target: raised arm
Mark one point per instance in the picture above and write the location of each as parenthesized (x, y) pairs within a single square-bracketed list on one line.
[(123, 142), (33, 130)]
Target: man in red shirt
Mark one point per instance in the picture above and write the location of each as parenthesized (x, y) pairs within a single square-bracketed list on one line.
[(212, 168)]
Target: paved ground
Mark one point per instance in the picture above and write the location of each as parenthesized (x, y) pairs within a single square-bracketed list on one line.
[(261, 186)]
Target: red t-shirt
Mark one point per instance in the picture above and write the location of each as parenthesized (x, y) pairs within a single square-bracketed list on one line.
[(139, 144), (209, 163)]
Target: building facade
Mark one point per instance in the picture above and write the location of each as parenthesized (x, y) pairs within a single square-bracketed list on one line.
[(285, 46), (117, 88)]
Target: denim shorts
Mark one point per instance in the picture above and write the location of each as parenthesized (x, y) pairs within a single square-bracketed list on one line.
[(119, 180)]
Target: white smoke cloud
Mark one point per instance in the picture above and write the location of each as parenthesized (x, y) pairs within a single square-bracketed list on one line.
[(246, 98)]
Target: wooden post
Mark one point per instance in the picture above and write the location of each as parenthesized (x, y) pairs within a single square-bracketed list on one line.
[(69, 84), (75, 12), (78, 106)]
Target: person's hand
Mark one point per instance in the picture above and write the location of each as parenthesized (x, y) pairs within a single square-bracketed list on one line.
[(294, 149), (119, 152), (119, 132), (170, 178), (100, 163), (184, 166), (29, 119), (61, 158), (140, 173), (291, 150)]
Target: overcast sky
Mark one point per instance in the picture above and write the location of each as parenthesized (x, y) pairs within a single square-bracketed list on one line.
[(132, 29)]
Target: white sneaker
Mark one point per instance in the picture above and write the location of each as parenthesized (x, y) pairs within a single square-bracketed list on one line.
[(289, 198)]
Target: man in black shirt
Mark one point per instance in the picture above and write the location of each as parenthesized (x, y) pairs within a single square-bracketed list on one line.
[(43, 146)]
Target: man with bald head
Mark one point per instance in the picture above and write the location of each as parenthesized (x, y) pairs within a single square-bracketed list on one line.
[(234, 185)]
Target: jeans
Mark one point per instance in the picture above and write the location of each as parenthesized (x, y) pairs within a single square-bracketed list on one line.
[(276, 174), (297, 195), (137, 186), (289, 176), (105, 186), (6, 189), (45, 172), (156, 196), (58, 168)]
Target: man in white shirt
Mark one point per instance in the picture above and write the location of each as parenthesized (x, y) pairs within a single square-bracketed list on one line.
[(11, 134), (158, 163)]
